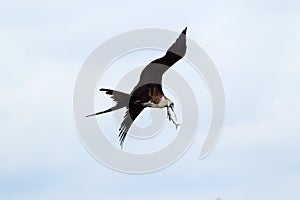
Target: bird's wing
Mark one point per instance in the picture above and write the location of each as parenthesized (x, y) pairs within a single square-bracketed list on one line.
[(131, 114), (153, 71)]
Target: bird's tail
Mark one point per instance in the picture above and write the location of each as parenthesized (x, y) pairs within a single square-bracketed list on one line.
[(122, 100)]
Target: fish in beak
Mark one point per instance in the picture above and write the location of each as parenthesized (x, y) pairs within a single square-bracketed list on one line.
[(171, 115)]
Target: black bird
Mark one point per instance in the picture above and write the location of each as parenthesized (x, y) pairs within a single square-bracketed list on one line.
[(148, 92)]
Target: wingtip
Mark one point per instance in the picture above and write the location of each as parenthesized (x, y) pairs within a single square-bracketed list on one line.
[(184, 31)]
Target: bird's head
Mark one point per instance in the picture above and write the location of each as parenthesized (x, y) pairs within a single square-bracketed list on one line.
[(170, 104)]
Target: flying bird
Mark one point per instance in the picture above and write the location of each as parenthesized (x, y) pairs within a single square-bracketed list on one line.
[(148, 92)]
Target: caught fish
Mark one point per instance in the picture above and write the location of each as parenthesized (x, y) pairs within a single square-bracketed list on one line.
[(172, 116)]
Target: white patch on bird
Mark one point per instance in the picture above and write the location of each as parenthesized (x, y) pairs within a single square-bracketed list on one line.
[(162, 103)]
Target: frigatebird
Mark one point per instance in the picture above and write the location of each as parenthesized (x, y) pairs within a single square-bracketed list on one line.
[(148, 92)]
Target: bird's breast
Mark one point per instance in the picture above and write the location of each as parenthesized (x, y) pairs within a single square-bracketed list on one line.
[(156, 103)]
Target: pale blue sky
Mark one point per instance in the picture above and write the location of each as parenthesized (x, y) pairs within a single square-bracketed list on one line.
[(255, 46)]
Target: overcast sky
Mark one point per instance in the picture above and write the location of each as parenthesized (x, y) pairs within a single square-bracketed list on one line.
[(255, 46)]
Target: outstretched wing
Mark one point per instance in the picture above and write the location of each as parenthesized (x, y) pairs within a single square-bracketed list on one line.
[(153, 71), (131, 114)]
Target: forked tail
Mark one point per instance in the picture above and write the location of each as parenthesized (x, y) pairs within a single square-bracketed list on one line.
[(122, 100)]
